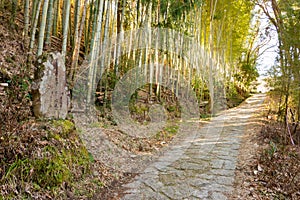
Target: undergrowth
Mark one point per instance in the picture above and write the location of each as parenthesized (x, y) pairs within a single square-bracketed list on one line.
[(279, 159), (39, 159), (47, 157)]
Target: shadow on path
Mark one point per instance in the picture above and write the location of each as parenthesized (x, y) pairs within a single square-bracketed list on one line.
[(201, 165)]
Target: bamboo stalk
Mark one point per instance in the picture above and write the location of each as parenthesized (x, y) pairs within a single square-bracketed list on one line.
[(65, 28), (35, 22), (94, 54), (75, 56), (76, 22), (49, 24), (42, 28), (26, 21)]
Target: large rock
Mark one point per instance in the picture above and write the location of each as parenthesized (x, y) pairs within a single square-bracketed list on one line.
[(50, 94)]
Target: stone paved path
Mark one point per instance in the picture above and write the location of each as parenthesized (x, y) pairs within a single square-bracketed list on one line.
[(202, 165)]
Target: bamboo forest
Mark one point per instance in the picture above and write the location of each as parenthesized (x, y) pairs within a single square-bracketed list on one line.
[(149, 99)]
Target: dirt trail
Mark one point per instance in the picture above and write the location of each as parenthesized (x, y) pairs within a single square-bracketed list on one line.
[(202, 164)]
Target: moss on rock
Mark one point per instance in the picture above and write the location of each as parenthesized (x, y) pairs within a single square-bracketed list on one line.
[(57, 157), (65, 126)]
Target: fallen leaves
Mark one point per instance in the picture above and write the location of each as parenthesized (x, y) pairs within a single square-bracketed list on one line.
[(270, 170), (139, 145), (277, 175)]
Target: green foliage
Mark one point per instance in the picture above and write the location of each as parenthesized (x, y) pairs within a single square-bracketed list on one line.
[(51, 169), (169, 131), (65, 126), (247, 74), (172, 129), (272, 149), (54, 157), (235, 95), (205, 116), (91, 157), (286, 73)]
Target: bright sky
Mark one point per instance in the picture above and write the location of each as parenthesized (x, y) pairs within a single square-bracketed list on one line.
[(268, 54), (269, 51)]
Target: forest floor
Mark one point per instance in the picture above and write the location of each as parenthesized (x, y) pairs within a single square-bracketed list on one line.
[(199, 163), (238, 155), (268, 163)]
